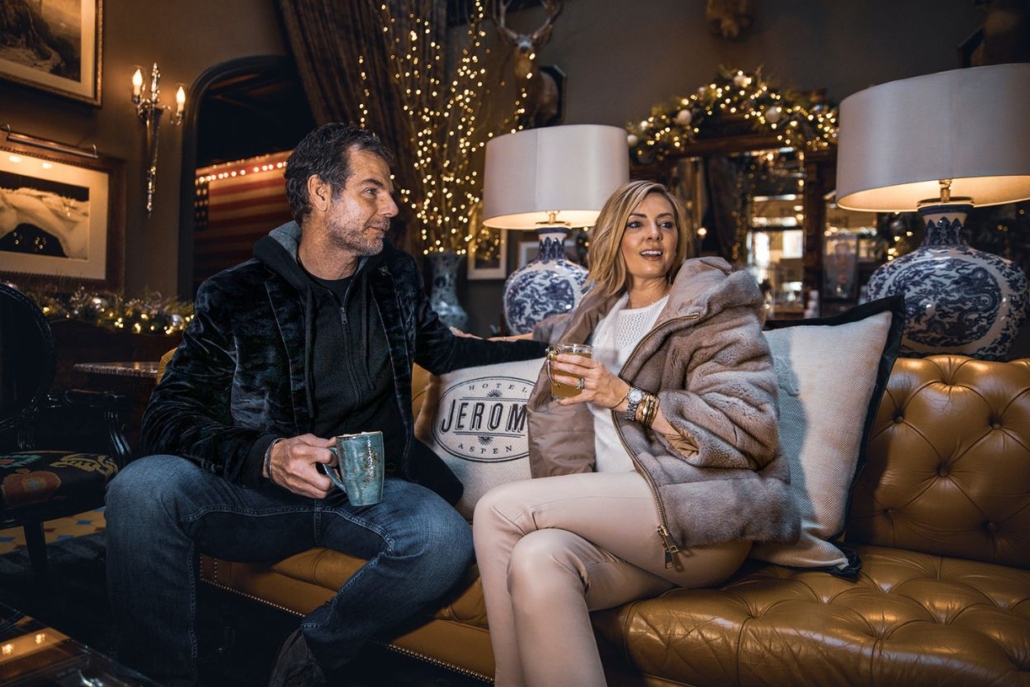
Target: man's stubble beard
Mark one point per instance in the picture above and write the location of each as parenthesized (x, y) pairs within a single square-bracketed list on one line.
[(359, 241)]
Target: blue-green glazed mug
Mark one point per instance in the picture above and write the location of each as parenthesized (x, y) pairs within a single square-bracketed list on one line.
[(359, 467)]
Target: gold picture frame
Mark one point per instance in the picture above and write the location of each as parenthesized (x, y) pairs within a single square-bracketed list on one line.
[(55, 46)]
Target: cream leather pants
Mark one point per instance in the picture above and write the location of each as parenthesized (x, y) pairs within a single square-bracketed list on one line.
[(551, 550)]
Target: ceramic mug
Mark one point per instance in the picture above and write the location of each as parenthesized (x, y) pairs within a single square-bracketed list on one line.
[(559, 390), (359, 467)]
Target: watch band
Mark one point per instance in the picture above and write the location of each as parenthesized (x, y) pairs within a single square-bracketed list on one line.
[(634, 396)]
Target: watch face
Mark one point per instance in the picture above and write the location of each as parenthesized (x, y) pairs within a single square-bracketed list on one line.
[(635, 395)]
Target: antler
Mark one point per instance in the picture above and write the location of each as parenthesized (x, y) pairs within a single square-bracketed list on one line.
[(543, 34), (500, 11)]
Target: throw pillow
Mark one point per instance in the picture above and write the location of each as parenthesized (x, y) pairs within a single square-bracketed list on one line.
[(475, 420), (832, 373)]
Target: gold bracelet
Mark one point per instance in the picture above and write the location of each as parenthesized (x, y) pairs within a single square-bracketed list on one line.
[(641, 407), (651, 412)]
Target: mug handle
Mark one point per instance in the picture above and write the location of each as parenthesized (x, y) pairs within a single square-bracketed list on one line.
[(333, 473), (552, 352)]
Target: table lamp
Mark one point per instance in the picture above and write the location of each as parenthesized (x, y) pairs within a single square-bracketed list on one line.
[(942, 144), (550, 180)]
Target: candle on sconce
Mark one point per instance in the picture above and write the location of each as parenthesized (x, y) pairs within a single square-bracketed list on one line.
[(149, 109), (137, 84)]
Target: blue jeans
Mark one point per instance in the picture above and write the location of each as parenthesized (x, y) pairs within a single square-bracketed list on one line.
[(162, 511)]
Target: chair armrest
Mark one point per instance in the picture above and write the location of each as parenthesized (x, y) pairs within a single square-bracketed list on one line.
[(87, 421)]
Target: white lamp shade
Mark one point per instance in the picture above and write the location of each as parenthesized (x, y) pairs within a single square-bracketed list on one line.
[(899, 139), (569, 170)]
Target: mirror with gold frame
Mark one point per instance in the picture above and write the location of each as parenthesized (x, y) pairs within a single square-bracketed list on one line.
[(760, 205)]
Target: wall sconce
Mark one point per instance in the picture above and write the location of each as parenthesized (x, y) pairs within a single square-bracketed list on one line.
[(149, 110)]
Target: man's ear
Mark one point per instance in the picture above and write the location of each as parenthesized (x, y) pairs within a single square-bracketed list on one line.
[(320, 193)]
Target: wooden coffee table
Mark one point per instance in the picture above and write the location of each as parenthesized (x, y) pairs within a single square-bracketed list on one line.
[(34, 655)]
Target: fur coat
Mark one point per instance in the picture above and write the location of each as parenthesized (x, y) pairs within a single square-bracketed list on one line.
[(721, 475)]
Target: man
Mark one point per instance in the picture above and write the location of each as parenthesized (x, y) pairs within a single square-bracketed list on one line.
[(313, 337)]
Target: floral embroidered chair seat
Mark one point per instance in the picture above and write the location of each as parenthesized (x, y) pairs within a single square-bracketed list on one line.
[(57, 451)]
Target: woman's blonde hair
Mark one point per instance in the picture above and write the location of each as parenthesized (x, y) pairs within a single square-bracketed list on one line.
[(607, 266)]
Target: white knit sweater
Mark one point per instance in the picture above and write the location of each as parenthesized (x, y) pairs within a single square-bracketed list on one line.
[(614, 339)]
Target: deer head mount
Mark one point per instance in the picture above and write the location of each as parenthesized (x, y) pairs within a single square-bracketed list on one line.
[(541, 90), (729, 18), (525, 45)]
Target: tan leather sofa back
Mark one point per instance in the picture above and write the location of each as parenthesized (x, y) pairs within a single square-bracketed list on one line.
[(949, 462)]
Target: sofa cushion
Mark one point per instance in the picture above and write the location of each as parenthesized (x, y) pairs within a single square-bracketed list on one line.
[(32, 481), (908, 620), (832, 373), (475, 420)]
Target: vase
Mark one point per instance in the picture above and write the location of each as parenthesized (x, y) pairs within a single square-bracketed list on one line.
[(443, 296), (957, 299), (547, 285)]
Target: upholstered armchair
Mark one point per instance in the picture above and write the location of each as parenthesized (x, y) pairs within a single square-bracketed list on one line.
[(57, 450)]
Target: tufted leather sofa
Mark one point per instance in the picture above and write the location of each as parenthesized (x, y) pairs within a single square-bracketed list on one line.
[(940, 517)]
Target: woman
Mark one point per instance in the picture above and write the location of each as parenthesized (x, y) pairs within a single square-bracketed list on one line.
[(660, 473)]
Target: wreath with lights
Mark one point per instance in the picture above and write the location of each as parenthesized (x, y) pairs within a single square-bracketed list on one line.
[(798, 120)]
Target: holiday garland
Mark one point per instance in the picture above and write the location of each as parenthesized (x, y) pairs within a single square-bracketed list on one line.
[(797, 120), (151, 314)]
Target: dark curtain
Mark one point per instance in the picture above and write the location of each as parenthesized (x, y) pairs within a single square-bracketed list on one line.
[(328, 39)]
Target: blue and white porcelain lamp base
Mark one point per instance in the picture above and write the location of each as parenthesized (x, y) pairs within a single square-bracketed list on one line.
[(957, 299), (547, 285)]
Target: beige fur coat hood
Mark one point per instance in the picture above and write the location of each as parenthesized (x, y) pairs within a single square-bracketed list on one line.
[(721, 476)]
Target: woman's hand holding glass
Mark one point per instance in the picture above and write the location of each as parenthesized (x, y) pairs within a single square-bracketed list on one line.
[(599, 385)]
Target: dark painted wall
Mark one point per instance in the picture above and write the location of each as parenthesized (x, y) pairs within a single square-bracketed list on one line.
[(620, 57)]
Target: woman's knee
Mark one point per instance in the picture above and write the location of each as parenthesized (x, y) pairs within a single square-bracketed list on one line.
[(502, 502), (544, 558)]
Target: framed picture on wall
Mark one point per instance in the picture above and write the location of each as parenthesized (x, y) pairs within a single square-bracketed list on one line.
[(488, 255), (494, 264), (62, 218), (53, 45)]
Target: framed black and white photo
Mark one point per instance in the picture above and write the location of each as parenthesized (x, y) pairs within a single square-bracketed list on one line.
[(61, 218), (53, 45)]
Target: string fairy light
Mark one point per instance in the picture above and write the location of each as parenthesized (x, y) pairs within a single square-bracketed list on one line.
[(447, 120)]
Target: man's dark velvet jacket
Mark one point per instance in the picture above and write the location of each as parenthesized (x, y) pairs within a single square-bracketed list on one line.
[(241, 376)]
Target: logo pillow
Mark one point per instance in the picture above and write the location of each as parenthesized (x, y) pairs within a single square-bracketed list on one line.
[(475, 420)]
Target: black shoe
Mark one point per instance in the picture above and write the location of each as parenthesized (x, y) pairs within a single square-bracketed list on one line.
[(295, 666)]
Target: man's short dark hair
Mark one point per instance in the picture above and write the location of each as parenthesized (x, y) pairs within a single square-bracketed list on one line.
[(325, 153)]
